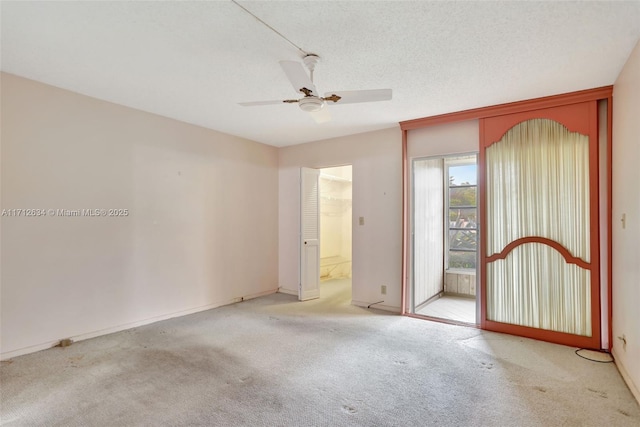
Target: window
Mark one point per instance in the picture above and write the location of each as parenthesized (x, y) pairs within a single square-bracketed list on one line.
[(462, 213)]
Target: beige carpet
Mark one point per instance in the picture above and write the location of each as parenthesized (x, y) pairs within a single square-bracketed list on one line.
[(274, 361)]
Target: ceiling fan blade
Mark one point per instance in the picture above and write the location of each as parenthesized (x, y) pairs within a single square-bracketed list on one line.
[(255, 103), (354, 96), (298, 76), (321, 116)]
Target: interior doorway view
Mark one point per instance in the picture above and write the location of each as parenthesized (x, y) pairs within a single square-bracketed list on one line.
[(335, 187), (445, 238)]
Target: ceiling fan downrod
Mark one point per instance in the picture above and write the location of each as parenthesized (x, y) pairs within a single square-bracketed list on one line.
[(310, 60)]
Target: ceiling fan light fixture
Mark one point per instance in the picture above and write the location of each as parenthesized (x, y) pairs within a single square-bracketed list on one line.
[(311, 104)]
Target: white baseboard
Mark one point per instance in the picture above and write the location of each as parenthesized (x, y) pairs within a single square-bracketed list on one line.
[(380, 306), (625, 376), (288, 291), (123, 327)]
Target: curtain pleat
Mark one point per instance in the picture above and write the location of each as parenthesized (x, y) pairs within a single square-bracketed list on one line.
[(537, 184), (428, 259)]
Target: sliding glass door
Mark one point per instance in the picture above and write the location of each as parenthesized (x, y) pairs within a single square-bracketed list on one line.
[(444, 238), (540, 254)]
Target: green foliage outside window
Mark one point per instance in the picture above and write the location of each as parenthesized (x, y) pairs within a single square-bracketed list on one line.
[(462, 225)]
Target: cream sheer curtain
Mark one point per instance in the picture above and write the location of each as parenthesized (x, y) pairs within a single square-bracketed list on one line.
[(537, 184), (428, 229)]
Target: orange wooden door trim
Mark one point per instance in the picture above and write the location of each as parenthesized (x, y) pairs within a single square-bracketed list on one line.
[(405, 225), (604, 92), (610, 218), (570, 259), (570, 116)]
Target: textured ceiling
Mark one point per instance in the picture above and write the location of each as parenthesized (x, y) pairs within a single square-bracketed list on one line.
[(194, 61)]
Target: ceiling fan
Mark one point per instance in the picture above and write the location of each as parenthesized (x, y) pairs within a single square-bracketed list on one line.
[(312, 102)]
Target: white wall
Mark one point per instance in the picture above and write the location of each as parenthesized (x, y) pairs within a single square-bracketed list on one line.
[(443, 140), (201, 229), (626, 200), (377, 196)]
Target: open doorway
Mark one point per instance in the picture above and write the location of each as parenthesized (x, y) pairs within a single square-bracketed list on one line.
[(445, 238), (335, 187)]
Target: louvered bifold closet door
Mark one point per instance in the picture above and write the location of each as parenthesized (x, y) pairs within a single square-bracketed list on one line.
[(539, 198), (309, 235)]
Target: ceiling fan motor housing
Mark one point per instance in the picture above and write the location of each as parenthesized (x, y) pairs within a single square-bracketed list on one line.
[(311, 103)]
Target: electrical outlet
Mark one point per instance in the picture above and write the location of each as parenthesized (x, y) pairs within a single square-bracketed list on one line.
[(383, 289)]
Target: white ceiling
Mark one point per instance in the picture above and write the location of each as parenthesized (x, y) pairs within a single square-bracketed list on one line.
[(194, 61)]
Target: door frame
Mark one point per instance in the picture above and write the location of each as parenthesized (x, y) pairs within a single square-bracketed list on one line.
[(446, 160), (303, 296)]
